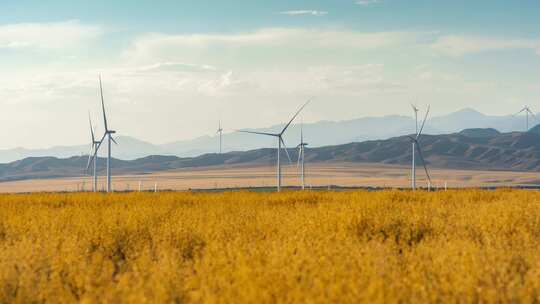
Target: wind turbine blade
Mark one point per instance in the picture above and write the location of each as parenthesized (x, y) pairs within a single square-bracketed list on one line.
[(91, 128), (521, 111), (419, 149), (103, 104), (285, 147), (90, 157), (114, 141), (290, 121), (100, 142), (415, 108), (259, 133), (423, 123)]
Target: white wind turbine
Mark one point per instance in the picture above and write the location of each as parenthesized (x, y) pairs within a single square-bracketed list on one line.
[(92, 155), (301, 157), (413, 168), (280, 141), (108, 133), (416, 147), (220, 132), (528, 112)]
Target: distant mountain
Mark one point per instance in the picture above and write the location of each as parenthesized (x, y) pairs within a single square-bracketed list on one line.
[(325, 133), (479, 132), (470, 118), (535, 129), (485, 149), (318, 134), (466, 118), (127, 148), (505, 151)]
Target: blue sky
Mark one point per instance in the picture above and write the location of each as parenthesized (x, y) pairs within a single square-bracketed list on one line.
[(484, 17), (172, 69)]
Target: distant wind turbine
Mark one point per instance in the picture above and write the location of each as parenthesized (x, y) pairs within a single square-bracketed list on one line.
[(92, 155), (108, 133), (301, 157), (527, 111), (413, 168), (415, 109), (220, 132), (416, 147), (280, 141)]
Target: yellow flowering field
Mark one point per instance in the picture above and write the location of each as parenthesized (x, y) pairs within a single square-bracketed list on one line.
[(293, 247)]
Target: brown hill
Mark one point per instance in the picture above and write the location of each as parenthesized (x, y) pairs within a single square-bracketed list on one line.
[(469, 149)]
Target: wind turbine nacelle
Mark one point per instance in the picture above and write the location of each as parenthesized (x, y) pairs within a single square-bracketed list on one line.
[(111, 132)]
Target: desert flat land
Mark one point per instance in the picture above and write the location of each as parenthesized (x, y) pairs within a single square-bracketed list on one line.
[(317, 175)]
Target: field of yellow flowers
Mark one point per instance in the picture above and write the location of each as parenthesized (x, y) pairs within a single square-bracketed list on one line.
[(237, 247)]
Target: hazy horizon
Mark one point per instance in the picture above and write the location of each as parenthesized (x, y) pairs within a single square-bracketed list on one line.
[(172, 69), (533, 121)]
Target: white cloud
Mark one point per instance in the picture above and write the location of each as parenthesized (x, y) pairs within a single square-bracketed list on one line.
[(304, 12), (264, 45), (179, 95), (426, 73), (175, 67), (57, 35), (355, 79), (181, 76), (456, 45), (367, 2)]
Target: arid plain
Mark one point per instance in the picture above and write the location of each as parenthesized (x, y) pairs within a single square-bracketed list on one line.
[(318, 175)]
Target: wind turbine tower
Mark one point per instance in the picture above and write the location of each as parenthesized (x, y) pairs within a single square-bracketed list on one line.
[(301, 157), (413, 167), (92, 155), (220, 132), (279, 137), (108, 133), (416, 147)]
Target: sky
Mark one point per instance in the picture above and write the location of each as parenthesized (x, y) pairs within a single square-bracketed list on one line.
[(172, 69)]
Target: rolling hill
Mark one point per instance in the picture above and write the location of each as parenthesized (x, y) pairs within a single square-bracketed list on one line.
[(327, 133), (485, 149)]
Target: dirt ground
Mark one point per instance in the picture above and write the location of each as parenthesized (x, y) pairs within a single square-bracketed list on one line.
[(317, 175)]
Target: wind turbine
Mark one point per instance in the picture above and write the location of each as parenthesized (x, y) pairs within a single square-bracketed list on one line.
[(92, 155), (413, 168), (416, 147), (527, 111), (220, 132), (280, 141), (108, 133), (416, 110), (301, 157)]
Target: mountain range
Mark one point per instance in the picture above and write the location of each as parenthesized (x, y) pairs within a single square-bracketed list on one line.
[(479, 148), (318, 134)]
